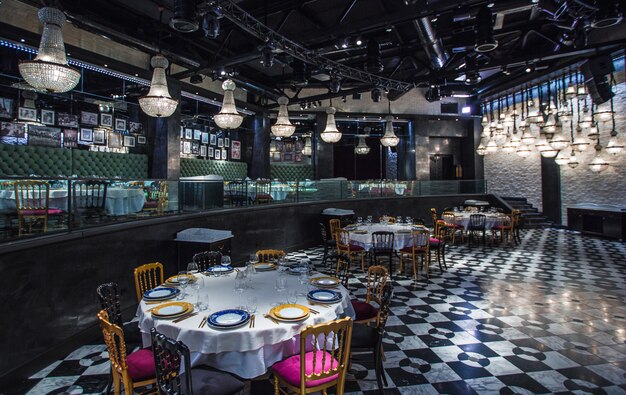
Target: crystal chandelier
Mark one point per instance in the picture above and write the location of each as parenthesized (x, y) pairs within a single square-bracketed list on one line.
[(389, 139), (491, 146), (228, 117), (615, 144), (362, 148), (559, 141), (598, 164), (282, 127), (527, 136), (482, 148), (49, 70), (307, 150), (158, 102), (573, 161), (507, 146), (330, 134)]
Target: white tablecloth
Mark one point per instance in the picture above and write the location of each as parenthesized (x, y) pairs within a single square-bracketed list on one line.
[(278, 192), (58, 199), (246, 352), (364, 240), (463, 218)]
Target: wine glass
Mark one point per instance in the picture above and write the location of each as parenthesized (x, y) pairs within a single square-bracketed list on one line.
[(225, 260), (399, 219), (240, 286), (251, 304), (253, 259), (182, 280), (292, 296), (197, 287), (409, 220), (359, 220), (369, 219), (192, 268)]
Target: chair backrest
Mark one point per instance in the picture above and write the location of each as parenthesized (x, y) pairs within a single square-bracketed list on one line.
[(433, 215), (329, 339), (419, 221), (376, 280), (169, 358), (323, 233), (335, 225), (477, 221), (343, 269), (263, 187), (116, 347), (206, 259), (421, 239), (89, 194), (387, 218), (31, 195), (382, 241), (110, 302), (342, 237), (269, 255), (385, 306), (442, 232), (147, 277)]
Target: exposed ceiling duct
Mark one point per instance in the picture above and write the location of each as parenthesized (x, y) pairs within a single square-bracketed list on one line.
[(431, 43), (184, 19)]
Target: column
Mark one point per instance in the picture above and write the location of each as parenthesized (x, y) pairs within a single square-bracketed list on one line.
[(406, 153), (422, 153), (551, 189), (165, 160), (260, 165)]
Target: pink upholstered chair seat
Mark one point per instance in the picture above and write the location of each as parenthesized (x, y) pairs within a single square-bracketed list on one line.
[(433, 241), (502, 227), (409, 249), (289, 369), (263, 196), (141, 365), (363, 310), (51, 211), (354, 247), (151, 203)]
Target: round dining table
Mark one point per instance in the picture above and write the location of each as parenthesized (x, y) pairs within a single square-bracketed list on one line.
[(361, 235), (244, 351), (462, 218)]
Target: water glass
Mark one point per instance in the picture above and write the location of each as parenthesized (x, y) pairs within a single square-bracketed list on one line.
[(183, 280), (398, 220), (369, 219), (281, 283), (251, 304), (292, 296), (359, 220), (253, 259)]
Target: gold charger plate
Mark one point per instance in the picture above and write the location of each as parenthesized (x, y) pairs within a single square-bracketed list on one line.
[(264, 267), (282, 312), (359, 232), (325, 282), (173, 280), (178, 309)]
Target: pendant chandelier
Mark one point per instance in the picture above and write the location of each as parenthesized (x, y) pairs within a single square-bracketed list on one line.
[(389, 139), (573, 161), (361, 148), (527, 137), (482, 148), (559, 141), (523, 150), (308, 149), (283, 127), (331, 134), (158, 102), (492, 146), (598, 163), (615, 144), (49, 70), (228, 117)]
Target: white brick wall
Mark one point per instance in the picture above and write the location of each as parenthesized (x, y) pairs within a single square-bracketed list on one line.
[(514, 176)]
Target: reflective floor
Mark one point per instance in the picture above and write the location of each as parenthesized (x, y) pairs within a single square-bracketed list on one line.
[(547, 316)]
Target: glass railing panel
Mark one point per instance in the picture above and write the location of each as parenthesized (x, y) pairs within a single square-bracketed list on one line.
[(197, 196), (308, 191)]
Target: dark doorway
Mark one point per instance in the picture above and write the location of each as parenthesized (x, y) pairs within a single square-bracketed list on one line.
[(358, 167), (441, 167)]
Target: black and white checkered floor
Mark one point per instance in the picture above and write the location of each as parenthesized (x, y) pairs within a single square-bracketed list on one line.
[(548, 316)]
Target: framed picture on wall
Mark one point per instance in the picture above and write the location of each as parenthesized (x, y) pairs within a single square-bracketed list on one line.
[(276, 157), (13, 133), (203, 150), (89, 118), (44, 136), (298, 145), (218, 154), (47, 117), (86, 134), (120, 124), (224, 154), (27, 114), (195, 148), (220, 142), (135, 127), (205, 138), (67, 120), (235, 151), (141, 139), (6, 108), (213, 139), (279, 146), (197, 134), (129, 141), (210, 152), (288, 147), (115, 140), (188, 133), (99, 136), (186, 147), (297, 158), (106, 120), (226, 142), (70, 138), (287, 157)]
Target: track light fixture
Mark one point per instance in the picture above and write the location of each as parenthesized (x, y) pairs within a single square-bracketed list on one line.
[(608, 14), (211, 26), (485, 42), (373, 63), (184, 18), (267, 56), (377, 93), (335, 82)]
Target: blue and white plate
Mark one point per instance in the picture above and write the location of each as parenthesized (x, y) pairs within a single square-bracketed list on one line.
[(324, 296), (220, 269), (161, 293), (297, 269), (228, 319)]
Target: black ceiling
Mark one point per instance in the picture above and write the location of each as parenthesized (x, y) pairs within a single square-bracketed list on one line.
[(427, 42)]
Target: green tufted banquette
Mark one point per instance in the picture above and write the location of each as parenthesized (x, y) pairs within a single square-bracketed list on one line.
[(197, 167), (109, 164), (291, 172), (24, 160)]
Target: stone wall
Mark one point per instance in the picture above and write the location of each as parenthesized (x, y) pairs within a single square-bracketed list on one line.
[(392, 165), (514, 176)]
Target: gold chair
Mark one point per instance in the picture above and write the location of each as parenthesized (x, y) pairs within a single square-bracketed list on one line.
[(507, 228), (365, 312), (420, 240), (449, 218), (344, 247), (157, 197), (269, 255), (387, 218), (263, 192), (335, 225), (324, 367), (147, 277), (433, 215), (32, 199), (135, 370)]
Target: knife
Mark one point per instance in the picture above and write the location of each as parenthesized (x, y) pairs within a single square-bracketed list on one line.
[(177, 320)]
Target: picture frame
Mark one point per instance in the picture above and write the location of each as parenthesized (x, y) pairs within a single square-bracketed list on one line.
[(106, 120), (210, 152), (141, 139), (298, 145), (203, 150), (220, 142), (135, 127), (44, 136), (276, 157), (288, 147), (86, 135), (89, 118), (129, 141), (235, 151), (188, 133), (287, 157), (67, 120), (13, 133), (205, 138), (227, 142), (114, 140), (218, 154), (70, 138), (47, 117), (99, 136), (279, 146), (6, 108), (197, 134), (120, 124), (186, 147), (297, 158), (27, 114), (224, 154), (195, 148), (213, 139)]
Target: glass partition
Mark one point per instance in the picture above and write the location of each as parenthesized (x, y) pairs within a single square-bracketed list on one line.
[(33, 207)]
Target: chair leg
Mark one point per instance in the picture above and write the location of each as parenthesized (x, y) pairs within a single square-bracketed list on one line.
[(379, 373), (276, 386), (363, 262)]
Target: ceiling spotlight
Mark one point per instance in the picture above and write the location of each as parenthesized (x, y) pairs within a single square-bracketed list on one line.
[(211, 26), (359, 41), (505, 70), (485, 42), (377, 93), (267, 56), (472, 76), (184, 18), (335, 83), (530, 68), (196, 79), (300, 77), (343, 42), (608, 14), (373, 63)]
